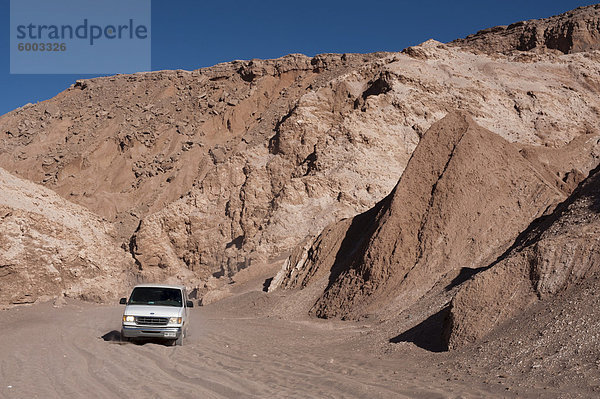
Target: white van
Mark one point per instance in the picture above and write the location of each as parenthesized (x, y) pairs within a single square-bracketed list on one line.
[(156, 311)]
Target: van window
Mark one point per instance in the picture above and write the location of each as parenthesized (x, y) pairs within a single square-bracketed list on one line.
[(158, 296)]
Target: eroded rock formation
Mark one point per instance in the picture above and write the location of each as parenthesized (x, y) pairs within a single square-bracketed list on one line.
[(572, 32), (52, 248)]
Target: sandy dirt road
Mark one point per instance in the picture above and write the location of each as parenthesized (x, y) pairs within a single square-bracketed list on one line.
[(74, 351)]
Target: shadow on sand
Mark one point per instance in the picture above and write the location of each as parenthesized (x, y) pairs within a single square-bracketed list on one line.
[(427, 334), (112, 336)]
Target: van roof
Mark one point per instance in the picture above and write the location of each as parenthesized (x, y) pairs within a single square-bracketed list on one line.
[(179, 287)]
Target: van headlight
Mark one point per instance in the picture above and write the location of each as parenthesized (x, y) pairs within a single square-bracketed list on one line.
[(128, 318), (174, 320)]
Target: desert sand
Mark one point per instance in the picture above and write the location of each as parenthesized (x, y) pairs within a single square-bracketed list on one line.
[(74, 351)]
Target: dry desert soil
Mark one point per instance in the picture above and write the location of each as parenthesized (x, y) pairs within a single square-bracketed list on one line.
[(74, 351)]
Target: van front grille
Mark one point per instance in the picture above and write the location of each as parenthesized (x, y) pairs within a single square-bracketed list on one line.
[(151, 321)]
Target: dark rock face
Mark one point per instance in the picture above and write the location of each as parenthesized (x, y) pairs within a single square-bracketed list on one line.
[(572, 32)]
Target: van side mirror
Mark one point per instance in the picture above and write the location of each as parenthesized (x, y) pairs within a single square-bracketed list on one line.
[(123, 301), (189, 304)]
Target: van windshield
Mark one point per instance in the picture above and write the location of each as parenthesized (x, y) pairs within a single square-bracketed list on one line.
[(158, 296)]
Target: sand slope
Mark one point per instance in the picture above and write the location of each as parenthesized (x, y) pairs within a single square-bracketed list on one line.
[(554, 256), (465, 192)]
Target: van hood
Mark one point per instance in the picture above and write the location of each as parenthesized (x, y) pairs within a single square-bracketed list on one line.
[(153, 311)]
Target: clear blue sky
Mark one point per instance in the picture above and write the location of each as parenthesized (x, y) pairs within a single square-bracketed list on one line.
[(190, 34)]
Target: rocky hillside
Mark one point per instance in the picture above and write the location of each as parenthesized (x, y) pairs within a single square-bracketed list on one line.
[(572, 32), (471, 245), (207, 170), (50, 247)]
